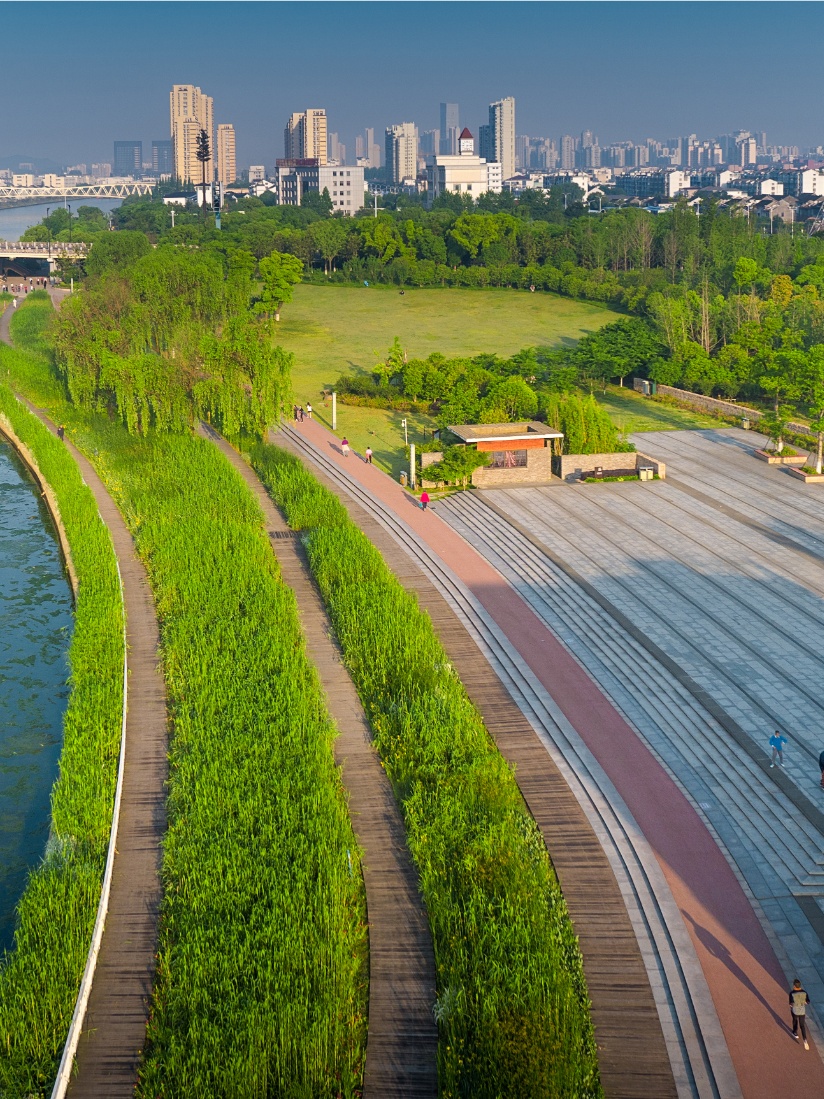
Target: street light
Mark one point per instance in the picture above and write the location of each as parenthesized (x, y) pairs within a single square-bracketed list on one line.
[(405, 432)]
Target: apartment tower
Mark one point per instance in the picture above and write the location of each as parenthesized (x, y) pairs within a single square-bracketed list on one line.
[(449, 129), (402, 151), (502, 134), (191, 111), (226, 161), (305, 136)]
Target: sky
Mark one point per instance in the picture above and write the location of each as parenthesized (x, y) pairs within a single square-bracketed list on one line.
[(78, 76)]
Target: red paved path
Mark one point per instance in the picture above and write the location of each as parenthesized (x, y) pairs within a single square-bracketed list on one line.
[(747, 984)]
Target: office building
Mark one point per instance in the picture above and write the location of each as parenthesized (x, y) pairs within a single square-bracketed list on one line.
[(429, 143), (101, 171), (163, 163), (345, 184), (305, 136), (337, 150), (568, 144), (128, 158), (402, 152), (497, 139), (226, 161), (191, 111), (257, 172), (464, 174), (522, 151), (449, 129)]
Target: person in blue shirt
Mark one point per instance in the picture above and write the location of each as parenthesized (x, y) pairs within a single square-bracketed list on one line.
[(777, 742)]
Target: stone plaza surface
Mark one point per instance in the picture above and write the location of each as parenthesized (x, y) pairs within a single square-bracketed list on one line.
[(697, 605)]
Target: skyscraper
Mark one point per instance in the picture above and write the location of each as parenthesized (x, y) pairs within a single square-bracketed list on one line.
[(522, 151), (337, 150), (402, 151), (226, 163), (305, 136), (449, 129), (128, 158), (498, 138), (163, 163), (567, 153), (191, 111)]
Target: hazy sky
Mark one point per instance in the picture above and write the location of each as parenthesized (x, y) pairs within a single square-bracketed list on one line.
[(77, 76)]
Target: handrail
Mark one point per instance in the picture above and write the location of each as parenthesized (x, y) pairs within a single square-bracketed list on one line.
[(61, 1083)]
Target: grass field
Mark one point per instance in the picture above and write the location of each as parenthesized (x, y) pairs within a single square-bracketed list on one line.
[(336, 330), (630, 411)]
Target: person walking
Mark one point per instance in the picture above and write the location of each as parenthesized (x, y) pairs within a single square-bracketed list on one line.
[(308, 410), (344, 446), (821, 765), (424, 500), (61, 433), (295, 412), (798, 1009), (369, 463), (777, 742)]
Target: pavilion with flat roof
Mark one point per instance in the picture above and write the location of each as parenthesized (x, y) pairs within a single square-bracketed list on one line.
[(520, 453)]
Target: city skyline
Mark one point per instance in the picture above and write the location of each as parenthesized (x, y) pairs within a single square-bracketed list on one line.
[(583, 81)]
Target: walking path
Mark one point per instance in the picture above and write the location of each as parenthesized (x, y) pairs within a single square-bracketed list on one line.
[(402, 1039), (736, 958), (115, 1024)]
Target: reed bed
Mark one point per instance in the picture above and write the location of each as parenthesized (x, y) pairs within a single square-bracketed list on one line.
[(512, 1005), (262, 978), (40, 976)]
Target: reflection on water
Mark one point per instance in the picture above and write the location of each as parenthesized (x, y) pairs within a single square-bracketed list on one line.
[(35, 630), (14, 222)]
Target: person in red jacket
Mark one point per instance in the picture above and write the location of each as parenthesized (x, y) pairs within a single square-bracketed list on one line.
[(424, 500)]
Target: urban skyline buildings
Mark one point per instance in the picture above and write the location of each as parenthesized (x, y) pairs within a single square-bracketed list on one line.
[(306, 137), (226, 159), (402, 152), (190, 112)]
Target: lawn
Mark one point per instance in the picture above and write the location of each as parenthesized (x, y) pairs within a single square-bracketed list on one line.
[(336, 330), (631, 412)]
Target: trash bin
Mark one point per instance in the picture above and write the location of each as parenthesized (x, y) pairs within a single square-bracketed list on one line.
[(645, 473), (599, 471), (404, 478), (745, 423)]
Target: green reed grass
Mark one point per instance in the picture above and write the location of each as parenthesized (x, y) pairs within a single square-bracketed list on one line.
[(512, 1005)]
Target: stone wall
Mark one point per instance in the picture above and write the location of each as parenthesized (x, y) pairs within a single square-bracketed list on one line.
[(537, 471), (723, 408), (575, 467)]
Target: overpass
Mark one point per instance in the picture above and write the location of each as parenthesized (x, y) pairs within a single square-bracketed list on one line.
[(81, 190), (50, 251)]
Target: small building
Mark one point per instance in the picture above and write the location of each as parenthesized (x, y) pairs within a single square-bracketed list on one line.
[(520, 454), (465, 173)]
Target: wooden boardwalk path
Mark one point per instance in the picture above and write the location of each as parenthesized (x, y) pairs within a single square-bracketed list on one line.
[(401, 1050), (114, 1029), (632, 1052)]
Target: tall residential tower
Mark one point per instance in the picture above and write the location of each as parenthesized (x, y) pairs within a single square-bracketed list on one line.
[(402, 152), (191, 111), (226, 161), (305, 136)]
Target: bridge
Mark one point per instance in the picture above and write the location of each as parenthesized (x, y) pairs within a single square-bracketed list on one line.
[(48, 251), (81, 190)]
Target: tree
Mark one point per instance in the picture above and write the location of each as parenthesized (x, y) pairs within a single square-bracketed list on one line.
[(328, 237), (321, 203), (280, 272), (457, 465), (115, 251), (386, 369), (507, 400)]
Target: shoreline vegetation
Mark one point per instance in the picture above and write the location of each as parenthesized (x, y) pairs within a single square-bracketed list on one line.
[(512, 1006), (40, 975)]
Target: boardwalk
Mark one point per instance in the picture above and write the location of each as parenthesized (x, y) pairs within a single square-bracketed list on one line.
[(401, 1052), (115, 1024), (632, 1052)]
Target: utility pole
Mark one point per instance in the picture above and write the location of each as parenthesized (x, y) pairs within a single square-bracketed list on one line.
[(412, 466), (334, 410)]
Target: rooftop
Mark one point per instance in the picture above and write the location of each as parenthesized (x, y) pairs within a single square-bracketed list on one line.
[(489, 433)]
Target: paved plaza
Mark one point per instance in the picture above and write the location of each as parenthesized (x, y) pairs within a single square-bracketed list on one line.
[(696, 605)]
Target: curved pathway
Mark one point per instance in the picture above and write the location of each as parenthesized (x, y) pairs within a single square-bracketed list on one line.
[(746, 1014), (402, 1038), (634, 1053), (115, 1024)]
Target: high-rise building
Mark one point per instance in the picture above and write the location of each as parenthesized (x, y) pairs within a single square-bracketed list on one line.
[(373, 149), (402, 151), (226, 162), (305, 136), (337, 150), (430, 143), (191, 111), (522, 151), (498, 138), (449, 129), (163, 162), (128, 158), (567, 153)]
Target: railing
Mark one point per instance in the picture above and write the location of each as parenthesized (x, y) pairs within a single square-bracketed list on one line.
[(61, 1083), (54, 247), (80, 190)]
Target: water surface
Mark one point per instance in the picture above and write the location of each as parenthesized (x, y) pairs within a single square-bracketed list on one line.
[(35, 629), (15, 221)]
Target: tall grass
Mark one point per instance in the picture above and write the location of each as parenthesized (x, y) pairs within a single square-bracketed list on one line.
[(40, 975), (512, 1006), (262, 977)]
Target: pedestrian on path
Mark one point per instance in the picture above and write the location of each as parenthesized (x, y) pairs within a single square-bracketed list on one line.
[(424, 500), (301, 413), (344, 445), (369, 462), (61, 433), (821, 765), (777, 742), (295, 412), (308, 410), (798, 1009)]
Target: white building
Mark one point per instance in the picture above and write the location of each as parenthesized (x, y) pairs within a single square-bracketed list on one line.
[(345, 185), (464, 174), (497, 139), (22, 179), (771, 187), (811, 182), (402, 152), (676, 181), (257, 172)]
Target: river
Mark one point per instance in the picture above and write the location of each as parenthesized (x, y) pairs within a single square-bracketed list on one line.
[(36, 622), (14, 222)]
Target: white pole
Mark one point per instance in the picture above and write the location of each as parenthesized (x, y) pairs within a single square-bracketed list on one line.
[(405, 433), (334, 410), (72, 289), (412, 465)]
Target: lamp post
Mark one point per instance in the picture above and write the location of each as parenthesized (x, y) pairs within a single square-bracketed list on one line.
[(404, 425)]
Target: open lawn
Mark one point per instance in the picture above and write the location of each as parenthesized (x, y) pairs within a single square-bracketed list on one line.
[(336, 330), (631, 412)]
